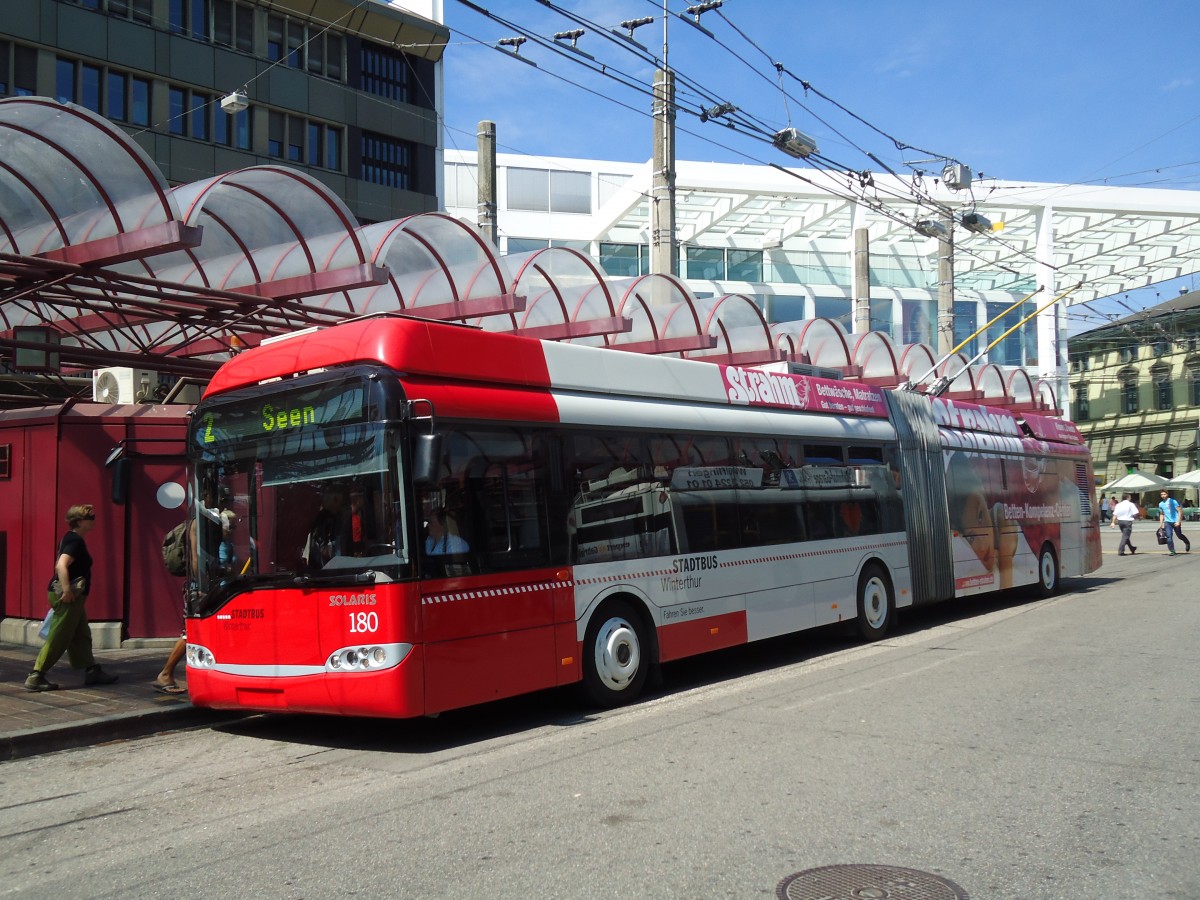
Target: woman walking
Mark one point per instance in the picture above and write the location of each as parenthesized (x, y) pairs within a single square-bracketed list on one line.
[(69, 629)]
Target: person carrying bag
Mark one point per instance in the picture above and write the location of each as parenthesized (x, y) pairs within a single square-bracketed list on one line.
[(67, 594)]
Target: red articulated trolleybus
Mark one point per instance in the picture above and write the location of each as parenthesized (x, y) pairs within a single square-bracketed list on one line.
[(397, 517)]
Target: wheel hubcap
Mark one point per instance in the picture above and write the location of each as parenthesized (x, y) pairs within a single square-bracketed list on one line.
[(1048, 571), (875, 603), (618, 654)]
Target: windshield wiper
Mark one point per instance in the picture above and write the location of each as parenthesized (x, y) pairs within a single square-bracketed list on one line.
[(340, 576)]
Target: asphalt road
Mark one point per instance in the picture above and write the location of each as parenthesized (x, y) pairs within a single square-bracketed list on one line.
[(1021, 748)]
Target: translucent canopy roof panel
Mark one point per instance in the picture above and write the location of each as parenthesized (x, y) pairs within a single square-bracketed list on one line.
[(565, 294), (437, 265), (261, 224), (875, 356), (68, 176), (741, 333)]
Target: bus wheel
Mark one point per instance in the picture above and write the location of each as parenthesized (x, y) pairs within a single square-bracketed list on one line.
[(1047, 583), (875, 603), (614, 655)]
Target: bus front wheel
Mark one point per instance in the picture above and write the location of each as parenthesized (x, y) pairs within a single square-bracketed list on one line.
[(875, 604), (1047, 583), (615, 655)]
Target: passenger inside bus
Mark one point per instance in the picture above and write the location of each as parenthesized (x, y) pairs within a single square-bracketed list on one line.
[(442, 537), (324, 538)]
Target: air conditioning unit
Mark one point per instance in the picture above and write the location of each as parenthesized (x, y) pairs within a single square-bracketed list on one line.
[(122, 384)]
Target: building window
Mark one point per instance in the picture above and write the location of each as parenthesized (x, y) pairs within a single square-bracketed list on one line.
[(333, 148), (1128, 354), (528, 189), (1161, 348), (89, 87), (1164, 392), (461, 189), (386, 161), (295, 149), (139, 101), (233, 25), (570, 192), (624, 260), (276, 131), (5, 461), (304, 46), (24, 72), (190, 18), (1194, 386), (526, 245), (1129, 395), (139, 10), (118, 91), (64, 80), (76, 82), (275, 28), (384, 72), (744, 265), (232, 130), (707, 263), (1082, 410), (176, 111)]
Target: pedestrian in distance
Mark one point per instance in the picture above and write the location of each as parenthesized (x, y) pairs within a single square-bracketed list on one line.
[(1124, 515), (67, 594), (1172, 522), (1105, 508)]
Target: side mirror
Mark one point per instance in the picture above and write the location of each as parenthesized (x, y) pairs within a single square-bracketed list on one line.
[(120, 480), (427, 450)]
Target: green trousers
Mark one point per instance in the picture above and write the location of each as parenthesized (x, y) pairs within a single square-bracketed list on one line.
[(69, 633)]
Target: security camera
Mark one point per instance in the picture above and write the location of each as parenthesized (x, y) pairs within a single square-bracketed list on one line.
[(236, 102)]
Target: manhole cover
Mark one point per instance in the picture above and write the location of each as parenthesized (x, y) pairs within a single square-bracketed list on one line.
[(858, 882)]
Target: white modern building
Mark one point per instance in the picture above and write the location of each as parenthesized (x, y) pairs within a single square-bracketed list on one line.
[(785, 238)]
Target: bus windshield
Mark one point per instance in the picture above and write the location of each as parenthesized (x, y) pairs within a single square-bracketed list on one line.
[(296, 484)]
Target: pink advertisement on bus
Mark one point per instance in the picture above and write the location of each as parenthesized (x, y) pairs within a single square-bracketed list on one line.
[(755, 387), (1005, 513)]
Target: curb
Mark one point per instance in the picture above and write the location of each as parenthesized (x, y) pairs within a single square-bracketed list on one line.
[(120, 726)]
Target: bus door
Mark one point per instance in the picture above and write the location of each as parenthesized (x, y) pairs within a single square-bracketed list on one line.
[(491, 595)]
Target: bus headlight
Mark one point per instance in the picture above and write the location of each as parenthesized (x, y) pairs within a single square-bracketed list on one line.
[(200, 657), (369, 658)]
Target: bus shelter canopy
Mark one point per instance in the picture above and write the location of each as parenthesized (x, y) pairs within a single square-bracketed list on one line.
[(104, 261)]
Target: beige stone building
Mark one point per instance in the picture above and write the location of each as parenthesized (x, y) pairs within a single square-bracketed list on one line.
[(1135, 390)]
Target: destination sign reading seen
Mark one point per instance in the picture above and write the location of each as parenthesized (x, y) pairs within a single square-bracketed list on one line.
[(285, 412)]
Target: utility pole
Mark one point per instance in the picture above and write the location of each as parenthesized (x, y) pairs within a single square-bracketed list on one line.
[(862, 275), (664, 251), (486, 216), (945, 299)]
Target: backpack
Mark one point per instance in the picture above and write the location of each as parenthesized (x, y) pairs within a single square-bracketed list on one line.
[(174, 547)]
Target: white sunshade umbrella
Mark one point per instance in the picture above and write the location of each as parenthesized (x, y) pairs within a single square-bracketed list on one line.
[(1135, 483), (1188, 480)]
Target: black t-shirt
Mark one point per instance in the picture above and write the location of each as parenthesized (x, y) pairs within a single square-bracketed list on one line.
[(74, 546)]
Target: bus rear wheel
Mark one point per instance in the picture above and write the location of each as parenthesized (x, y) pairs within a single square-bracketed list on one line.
[(875, 603), (615, 655), (1047, 583)]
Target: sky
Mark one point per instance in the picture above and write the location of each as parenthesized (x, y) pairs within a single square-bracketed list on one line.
[(1062, 91)]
